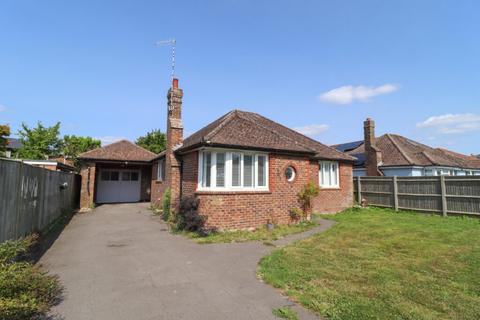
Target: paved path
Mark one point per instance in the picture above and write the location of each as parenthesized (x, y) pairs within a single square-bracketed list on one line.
[(120, 262)]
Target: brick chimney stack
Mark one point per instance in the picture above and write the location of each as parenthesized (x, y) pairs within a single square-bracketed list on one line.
[(373, 155), (174, 140)]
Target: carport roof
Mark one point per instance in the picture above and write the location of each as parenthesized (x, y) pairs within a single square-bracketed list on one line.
[(122, 150)]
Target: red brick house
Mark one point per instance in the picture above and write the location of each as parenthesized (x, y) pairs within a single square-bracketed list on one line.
[(244, 168)]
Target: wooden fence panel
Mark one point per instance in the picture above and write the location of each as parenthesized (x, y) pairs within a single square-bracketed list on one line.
[(31, 198), (459, 195)]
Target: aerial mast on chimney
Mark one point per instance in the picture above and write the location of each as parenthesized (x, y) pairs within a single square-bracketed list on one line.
[(170, 42)]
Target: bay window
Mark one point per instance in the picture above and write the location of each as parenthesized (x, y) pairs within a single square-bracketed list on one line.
[(232, 170), (328, 174)]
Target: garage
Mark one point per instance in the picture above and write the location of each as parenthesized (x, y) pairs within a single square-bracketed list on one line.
[(117, 185), (116, 173)]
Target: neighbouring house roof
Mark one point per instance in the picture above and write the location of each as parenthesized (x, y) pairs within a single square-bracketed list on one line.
[(344, 147), (62, 160), (400, 151), (14, 143), (248, 130), (122, 150), (50, 162), (470, 160)]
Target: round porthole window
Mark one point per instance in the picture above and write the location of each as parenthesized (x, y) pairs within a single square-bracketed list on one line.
[(290, 174)]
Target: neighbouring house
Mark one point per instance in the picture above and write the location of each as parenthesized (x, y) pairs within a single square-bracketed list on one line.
[(244, 168), (394, 155), (51, 164), (13, 144)]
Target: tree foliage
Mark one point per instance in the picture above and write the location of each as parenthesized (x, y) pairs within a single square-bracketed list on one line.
[(39, 142), (73, 145), (154, 141), (4, 133)]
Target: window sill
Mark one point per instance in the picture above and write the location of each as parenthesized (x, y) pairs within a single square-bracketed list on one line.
[(231, 192), (330, 188), (159, 181)]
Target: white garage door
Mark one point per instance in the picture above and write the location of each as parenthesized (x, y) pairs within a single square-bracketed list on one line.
[(116, 185)]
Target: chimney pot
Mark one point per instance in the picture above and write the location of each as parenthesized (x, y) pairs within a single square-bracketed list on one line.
[(175, 83)]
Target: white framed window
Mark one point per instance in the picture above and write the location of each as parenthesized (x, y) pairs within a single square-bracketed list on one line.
[(328, 174), (231, 170), (161, 170)]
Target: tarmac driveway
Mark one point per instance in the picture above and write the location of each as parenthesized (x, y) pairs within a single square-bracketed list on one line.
[(120, 262)]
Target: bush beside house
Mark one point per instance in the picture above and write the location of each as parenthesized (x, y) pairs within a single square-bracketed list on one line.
[(26, 291)]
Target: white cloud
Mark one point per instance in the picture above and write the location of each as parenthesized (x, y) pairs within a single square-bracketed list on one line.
[(452, 123), (349, 94), (312, 129), (109, 139), (2, 108)]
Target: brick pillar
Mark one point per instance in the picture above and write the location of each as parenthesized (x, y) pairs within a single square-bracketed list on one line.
[(373, 155), (174, 140), (87, 171)]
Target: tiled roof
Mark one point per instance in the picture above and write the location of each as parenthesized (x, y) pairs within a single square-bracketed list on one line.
[(400, 151), (122, 150), (14, 143), (471, 161), (240, 129)]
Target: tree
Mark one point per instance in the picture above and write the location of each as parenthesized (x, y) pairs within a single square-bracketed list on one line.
[(154, 141), (73, 145), (40, 142), (4, 133)]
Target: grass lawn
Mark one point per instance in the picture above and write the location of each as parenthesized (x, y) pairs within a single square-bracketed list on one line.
[(379, 264), (285, 313), (261, 234)]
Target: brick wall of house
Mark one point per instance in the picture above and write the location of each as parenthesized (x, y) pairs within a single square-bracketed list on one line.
[(157, 187), (189, 174), (336, 199), (87, 193), (242, 210), (145, 188)]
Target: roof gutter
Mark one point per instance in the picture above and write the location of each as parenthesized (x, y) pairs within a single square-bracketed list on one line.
[(115, 161)]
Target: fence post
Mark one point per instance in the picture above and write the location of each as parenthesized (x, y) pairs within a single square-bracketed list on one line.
[(395, 193), (444, 195), (359, 191)]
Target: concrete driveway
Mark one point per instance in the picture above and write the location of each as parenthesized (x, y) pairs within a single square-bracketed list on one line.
[(120, 262)]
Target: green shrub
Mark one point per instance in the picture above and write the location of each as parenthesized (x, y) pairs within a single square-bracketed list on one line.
[(18, 309), (296, 214), (25, 290), (306, 195), (22, 278), (14, 250), (188, 218), (191, 219), (167, 195)]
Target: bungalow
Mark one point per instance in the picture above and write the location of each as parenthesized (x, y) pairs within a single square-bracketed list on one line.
[(394, 155), (244, 168)]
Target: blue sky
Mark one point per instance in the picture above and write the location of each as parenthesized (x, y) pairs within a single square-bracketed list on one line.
[(319, 66)]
